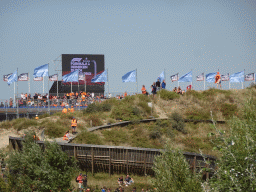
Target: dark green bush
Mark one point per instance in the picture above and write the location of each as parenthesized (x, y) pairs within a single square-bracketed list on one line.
[(155, 134), (93, 108), (106, 107), (96, 120), (228, 110), (178, 122), (144, 106), (24, 123), (125, 112), (143, 97), (168, 95), (117, 136), (56, 129), (197, 114), (86, 137)]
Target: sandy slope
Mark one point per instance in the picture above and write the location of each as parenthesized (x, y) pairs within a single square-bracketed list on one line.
[(4, 136)]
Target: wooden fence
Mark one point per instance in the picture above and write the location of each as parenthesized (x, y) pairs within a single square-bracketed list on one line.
[(116, 159)]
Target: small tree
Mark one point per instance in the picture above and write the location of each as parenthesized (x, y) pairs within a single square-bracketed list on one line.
[(172, 173), (237, 166), (35, 169)]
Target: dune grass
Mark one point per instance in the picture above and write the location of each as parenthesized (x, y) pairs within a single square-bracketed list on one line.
[(99, 180)]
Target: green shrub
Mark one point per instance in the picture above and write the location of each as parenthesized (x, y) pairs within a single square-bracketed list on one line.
[(168, 95), (155, 134), (197, 114), (143, 97), (125, 112), (44, 115), (106, 107), (86, 137), (178, 122), (228, 110), (24, 123), (56, 129), (144, 106), (93, 108), (6, 124), (117, 136), (95, 118), (172, 173)]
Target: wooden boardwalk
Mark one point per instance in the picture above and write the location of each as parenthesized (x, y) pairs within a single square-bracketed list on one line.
[(117, 159)]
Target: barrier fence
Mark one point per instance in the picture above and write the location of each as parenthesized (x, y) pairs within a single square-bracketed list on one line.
[(116, 159)]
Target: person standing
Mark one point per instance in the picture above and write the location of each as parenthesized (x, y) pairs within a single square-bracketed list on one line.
[(73, 125), (79, 179), (158, 85), (163, 84), (153, 89), (218, 79)]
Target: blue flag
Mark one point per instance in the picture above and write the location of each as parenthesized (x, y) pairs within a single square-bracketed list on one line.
[(100, 78), (237, 77), (129, 77), (210, 77), (12, 78), (71, 77), (161, 77), (41, 71), (186, 78)]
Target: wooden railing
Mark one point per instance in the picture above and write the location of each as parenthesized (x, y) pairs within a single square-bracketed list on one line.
[(116, 159)]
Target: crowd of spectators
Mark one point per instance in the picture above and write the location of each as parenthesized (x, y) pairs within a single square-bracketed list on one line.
[(76, 99)]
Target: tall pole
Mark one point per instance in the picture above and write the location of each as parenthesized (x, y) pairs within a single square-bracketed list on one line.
[(137, 81), (57, 84), (108, 82), (191, 81), (204, 82), (71, 86), (28, 84), (48, 92), (14, 96), (17, 96), (43, 84)]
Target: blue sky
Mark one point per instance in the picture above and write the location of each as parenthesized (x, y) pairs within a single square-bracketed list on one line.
[(150, 35)]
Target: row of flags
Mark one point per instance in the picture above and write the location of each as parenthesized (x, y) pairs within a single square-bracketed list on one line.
[(210, 77), (131, 76)]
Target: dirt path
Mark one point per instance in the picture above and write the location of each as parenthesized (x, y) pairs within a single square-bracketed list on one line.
[(4, 136), (159, 111)]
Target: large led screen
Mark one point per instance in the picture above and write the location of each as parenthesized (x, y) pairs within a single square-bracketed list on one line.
[(88, 65)]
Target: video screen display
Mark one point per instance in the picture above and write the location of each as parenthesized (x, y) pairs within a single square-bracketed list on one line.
[(88, 65)]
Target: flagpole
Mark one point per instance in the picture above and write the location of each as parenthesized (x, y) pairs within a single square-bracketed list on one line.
[(49, 111), (57, 84), (28, 84), (204, 82), (108, 82), (17, 96), (43, 84), (14, 98), (191, 81), (136, 80)]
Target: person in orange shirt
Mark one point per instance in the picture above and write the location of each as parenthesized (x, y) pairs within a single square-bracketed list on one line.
[(36, 118), (64, 110), (143, 90), (218, 79), (66, 136), (125, 94), (72, 109), (73, 125)]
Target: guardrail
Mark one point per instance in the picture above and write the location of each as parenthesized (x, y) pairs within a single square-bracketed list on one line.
[(117, 159)]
